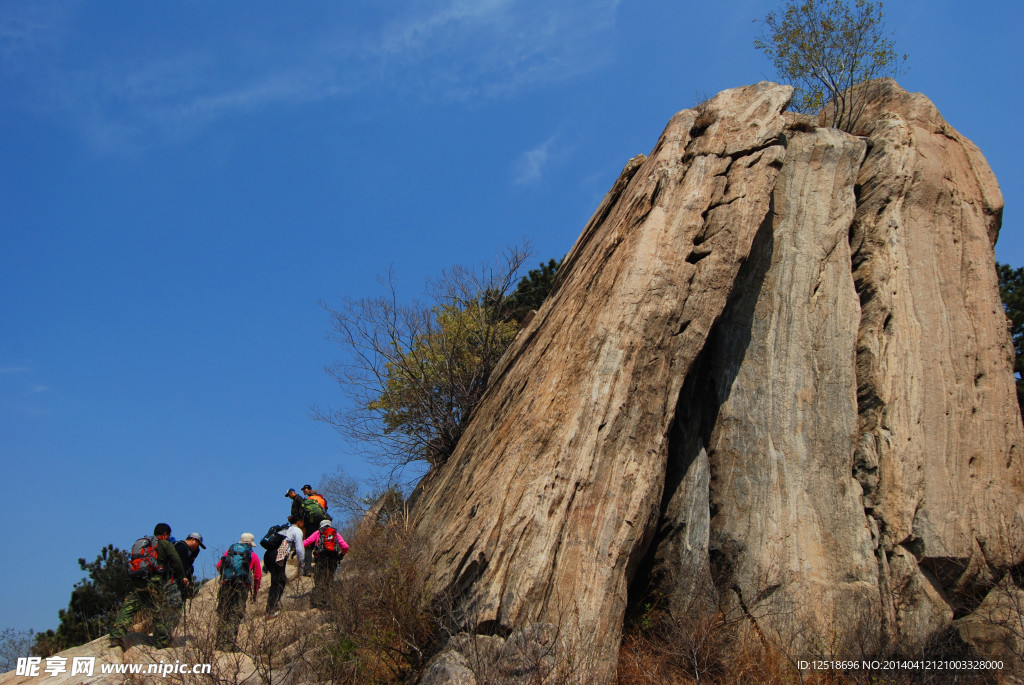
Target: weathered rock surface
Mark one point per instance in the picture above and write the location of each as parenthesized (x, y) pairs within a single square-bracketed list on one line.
[(778, 405), (550, 501), (774, 379), (940, 430), (529, 655), (774, 374)]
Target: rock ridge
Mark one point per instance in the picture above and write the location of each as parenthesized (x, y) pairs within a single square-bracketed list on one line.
[(774, 366)]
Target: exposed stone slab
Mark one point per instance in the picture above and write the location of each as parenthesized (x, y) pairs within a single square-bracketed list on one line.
[(939, 447), (779, 413), (550, 500), (774, 367)]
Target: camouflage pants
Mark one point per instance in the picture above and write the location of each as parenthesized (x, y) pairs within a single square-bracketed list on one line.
[(230, 612), (163, 600), (323, 577)]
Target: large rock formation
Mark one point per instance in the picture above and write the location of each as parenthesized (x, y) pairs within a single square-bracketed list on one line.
[(774, 367)]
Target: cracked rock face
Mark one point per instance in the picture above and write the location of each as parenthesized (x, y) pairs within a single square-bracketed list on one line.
[(774, 412), (774, 368), (940, 433)]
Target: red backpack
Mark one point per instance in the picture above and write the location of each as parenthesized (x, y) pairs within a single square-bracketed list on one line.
[(329, 542), (142, 562)]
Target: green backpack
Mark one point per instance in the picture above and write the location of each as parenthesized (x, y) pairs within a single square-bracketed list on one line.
[(314, 512)]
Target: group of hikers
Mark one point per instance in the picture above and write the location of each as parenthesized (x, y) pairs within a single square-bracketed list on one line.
[(161, 571)]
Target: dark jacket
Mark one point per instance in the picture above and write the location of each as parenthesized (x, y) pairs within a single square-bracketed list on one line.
[(187, 557), (168, 558), (297, 509)]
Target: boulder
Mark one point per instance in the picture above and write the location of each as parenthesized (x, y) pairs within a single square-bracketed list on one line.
[(549, 502), (774, 377)]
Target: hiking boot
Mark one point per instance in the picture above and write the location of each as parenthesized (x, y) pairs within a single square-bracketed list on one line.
[(118, 642)]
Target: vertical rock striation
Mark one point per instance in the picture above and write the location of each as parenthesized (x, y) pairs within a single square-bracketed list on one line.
[(548, 504), (940, 429), (779, 414), (774, 367)]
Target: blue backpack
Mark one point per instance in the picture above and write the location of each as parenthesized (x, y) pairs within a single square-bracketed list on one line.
[(235, 564)]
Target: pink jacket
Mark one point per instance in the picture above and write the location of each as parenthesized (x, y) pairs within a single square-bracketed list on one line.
[(312, 540), (254, 569)]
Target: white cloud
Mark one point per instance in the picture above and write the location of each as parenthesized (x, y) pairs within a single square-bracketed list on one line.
[(27, 30), (14, 369), (493, 48), (530, 166), (442, 51), (20, 382)]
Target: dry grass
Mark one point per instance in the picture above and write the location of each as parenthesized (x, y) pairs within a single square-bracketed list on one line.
[(714, 648), (706, 116), (708, 647), (382, 626)]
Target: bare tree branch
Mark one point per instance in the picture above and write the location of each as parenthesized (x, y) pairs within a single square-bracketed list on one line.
[(412, 373)]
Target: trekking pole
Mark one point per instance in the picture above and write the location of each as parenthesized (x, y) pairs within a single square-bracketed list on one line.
[(187, 607)]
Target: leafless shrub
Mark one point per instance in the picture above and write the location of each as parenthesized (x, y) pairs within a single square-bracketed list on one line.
[(706, 115), (380, 624), (14, 644), (198, 630), (723, 646), (701, 645), (413, 373), (996, 626), (555, 651), (355, 504)]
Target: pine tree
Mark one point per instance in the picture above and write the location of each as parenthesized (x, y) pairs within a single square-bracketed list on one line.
[(93, 605), (532, 290), (1011, 290)]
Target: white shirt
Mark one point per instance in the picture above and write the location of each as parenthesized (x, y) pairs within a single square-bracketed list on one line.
[(294, 536)]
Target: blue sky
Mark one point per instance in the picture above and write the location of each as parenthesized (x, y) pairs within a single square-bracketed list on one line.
[(181, 183)]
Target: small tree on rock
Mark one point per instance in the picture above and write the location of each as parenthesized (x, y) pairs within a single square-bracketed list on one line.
[(414, 373), (826, 48)]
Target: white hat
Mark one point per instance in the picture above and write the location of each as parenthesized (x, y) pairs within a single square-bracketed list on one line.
[(247, 539)]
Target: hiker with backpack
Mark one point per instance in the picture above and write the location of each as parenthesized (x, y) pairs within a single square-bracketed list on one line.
[(296, 499), (154, 571), (280, 542), (312, 514), (328, 549), (240, 576), (188, 550), (308, 492)]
